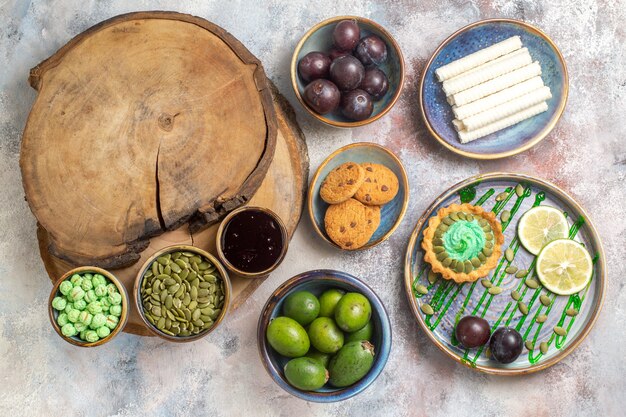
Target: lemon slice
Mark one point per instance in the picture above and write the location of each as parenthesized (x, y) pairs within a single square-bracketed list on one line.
[(539, 226), (564, 267)]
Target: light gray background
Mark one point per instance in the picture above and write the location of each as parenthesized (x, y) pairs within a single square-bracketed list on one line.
[(222, 375)]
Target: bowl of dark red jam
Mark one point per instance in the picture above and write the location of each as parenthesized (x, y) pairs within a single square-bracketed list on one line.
[(252, 241)]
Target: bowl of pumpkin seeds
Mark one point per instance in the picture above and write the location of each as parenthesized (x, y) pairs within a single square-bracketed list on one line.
[(182, 293)]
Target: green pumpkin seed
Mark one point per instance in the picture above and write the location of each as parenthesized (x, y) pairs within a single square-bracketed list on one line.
[(541, 318), (150, 319), (433, 276), (560, 331), (511, 269), (437, 242), (543, 348), (168, 302), (454, 216), (453, 264), (163, 260), (519, 190), (476, 262), (167, 270), (521, 273), (545, 300), (427, 309), (531, 283), (468, 267), (486, 283), (487, 229), (482, 257), (193, 294), (529, 345), (438, 249), (161, 323), (192, 305), (421, 289), (460, 215), (489, 244), (175, 268), (469, 217), (505, 216), (155, 269), (438, 233), (487, 251), (483, 222), (509, 255), (489, 236), (446, 262), (571, 312), (515, 295), (495, 290), (444, 227), (502, 196), (441, 256), (460, 267), (447, 221), (523, 308)]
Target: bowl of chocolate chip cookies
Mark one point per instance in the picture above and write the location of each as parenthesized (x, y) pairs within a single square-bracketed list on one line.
[(358, 196)]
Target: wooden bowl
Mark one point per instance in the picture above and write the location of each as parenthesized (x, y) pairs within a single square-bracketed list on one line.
[(137, 292), (317, 282), (231, 267), (319, 38), (53, 314), (391, 213)]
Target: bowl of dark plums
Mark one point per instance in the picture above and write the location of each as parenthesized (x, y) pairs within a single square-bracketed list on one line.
[(347, 71)]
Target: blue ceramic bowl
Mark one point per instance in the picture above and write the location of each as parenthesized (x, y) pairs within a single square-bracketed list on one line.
[(317, 282), (319, 38), (438, 115), (391, 213)]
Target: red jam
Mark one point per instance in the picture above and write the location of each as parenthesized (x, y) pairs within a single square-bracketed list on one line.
[(252, 241)]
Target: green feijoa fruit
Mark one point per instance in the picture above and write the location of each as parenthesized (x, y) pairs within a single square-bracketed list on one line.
[(328, 301), (288, 337), (351, 363), (302, 306), (321, 357), (352, 312), (362, 334), (325, 335), (306, 374)]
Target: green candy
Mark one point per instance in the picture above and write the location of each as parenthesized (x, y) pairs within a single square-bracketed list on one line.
[(90, 296), (100, 290), (76, 280), (98, 279), (76, 294), (62, 320), (86, 284), (112, 289), (116, 310), (98, 320), (80, 304), (69, 307), (82, 334), (85, 318), (73, 315), (68, 330), (65, 287), (88, 276), (59, 303), (94, 307), (115, 298), (111, 322), (80, 326), (105, 302), (103, 332), (91, 336)]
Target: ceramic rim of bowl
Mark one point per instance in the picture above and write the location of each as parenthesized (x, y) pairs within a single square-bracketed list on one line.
[(404, 181), (111, 277), (230, 266), (322, 118), (140, 277), (539, 136)]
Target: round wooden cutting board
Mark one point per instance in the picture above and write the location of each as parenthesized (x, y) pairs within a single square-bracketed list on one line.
[(143, 123)]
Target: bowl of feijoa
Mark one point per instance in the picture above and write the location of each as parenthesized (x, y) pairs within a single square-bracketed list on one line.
[(324, 336)]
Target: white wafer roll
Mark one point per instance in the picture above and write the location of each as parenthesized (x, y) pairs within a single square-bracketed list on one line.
[(507, 109), (479, 57), (495, 99), (485, 72), (458, 125), (497, 84), (465, 136)]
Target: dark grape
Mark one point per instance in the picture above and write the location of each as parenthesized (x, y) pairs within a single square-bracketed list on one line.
[(346, 35), (356, 105), (347, 72), (472, 331), (371, 50), (335, 53), (375, 83), (314, 65), (322, 95), (506, 344)]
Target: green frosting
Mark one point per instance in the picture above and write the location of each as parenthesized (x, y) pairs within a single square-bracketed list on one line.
[(464, 240)]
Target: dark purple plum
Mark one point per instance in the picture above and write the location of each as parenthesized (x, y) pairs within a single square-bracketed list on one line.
[(375, 82), (506, 344), (472, 331), (371, 51), (346, 35), (356, 105), (322, 95), (335, 53), (347, 72), (314, 65)]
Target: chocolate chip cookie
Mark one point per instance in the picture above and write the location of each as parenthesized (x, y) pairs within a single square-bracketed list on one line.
[(379, 187), (342, 182)]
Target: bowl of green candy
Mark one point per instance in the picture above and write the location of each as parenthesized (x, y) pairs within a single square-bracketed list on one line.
[(88, 306)]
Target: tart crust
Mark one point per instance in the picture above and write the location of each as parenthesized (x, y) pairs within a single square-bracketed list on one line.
[(447, 273)]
